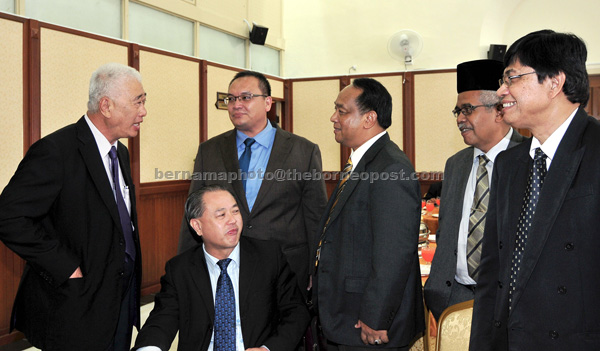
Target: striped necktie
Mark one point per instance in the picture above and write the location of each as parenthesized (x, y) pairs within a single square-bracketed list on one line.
[(477, 217), (345, 175)]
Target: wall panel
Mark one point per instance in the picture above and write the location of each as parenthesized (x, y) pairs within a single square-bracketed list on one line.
[(217, 81), (169, 136), (67, 63), (313, 104), (436, 135)]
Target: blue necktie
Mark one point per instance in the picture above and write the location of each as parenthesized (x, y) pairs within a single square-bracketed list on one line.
[(224, 339), (123, 213), (534, 186), (245, 160)]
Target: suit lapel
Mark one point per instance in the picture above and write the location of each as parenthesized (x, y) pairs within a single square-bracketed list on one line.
[(356, 174), (201, 278), (230, 159), (557, 182), (281, 149), (91, 157)]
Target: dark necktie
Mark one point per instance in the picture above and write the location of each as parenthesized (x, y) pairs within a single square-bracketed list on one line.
[(224, 339), (245, 160), (534, 185), (477, 217), (123, 213), (345, 175)]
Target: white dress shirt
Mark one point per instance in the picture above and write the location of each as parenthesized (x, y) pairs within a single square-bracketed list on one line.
[(551, 144), (462, 272), (357, 154)]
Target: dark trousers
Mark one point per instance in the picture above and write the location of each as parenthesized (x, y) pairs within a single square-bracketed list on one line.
[(122, 340), (337, 347)]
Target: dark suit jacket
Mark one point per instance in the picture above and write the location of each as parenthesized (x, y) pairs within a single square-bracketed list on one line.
[(285, 211), (439, 286), (272, 310), (369, 267), (556, 302), (59, 212)]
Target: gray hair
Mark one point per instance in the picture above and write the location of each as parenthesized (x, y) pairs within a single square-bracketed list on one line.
[(106, 80), (489, 98)]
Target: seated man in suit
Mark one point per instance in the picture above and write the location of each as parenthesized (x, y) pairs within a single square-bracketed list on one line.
[(228, 293), (467, 176)]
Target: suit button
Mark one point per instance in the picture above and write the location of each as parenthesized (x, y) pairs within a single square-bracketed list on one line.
[(562, 290), (499, 285), (121, 242), (500, 245), (121, 273), (553, 334), (448, 283), (249, 226), (497, 324), (569, 246), (455, 252)]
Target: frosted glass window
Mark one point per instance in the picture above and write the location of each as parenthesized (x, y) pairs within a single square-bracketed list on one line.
[(160, 30), (96, 16), (264, 59), (220, 47), (7, 6)]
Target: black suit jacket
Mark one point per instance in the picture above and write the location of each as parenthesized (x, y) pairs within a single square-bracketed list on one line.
[(285, 211), (439, 288), (369, 266), (271, 307), (557, 297), (58, 212)]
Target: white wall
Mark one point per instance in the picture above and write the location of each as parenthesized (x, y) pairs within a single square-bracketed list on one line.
[(328, 37)]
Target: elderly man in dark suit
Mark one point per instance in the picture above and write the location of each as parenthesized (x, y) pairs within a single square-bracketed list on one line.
[(467, 175), (267, 310), (367, 279), (69, 211), (276, 200), (539, 286)]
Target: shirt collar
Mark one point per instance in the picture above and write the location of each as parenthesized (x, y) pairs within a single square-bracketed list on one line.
[(551, 144), (357, 154), (101, 141), (264, 138), (212, 260), (496, 149)]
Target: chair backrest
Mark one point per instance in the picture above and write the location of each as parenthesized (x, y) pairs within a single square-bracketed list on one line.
[(454, 327)]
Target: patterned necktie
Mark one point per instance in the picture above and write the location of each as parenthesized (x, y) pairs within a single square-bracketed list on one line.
[(534, 185), (123, 213), (345, 175), (245, 160), (477, 217), (224, 339)]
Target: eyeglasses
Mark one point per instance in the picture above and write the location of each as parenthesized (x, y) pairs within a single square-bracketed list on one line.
[(508, 80), (231, 99), (466, 110)]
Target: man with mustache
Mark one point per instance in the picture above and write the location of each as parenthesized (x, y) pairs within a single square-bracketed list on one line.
[(455, 266)]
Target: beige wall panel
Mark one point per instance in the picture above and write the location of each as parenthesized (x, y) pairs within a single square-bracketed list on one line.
[(11, 98), (436, 135), (169, 136), (67, 63), (393, 84), (217, 81), (313, 106), (276, 88)]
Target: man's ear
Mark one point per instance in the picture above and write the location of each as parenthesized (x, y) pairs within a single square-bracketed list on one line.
[(106, 106), (370, 119), (557, 82), (195, 223)]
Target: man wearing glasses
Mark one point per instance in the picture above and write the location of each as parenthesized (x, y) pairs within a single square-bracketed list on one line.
[(465, 194), (265, 168), (539, 286)]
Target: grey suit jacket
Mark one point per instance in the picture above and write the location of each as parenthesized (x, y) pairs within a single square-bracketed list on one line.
[(369, 267), (287, 211), (438, 288), (557, 294)]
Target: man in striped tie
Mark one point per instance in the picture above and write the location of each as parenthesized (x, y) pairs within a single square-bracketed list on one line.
[(465, 194)]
